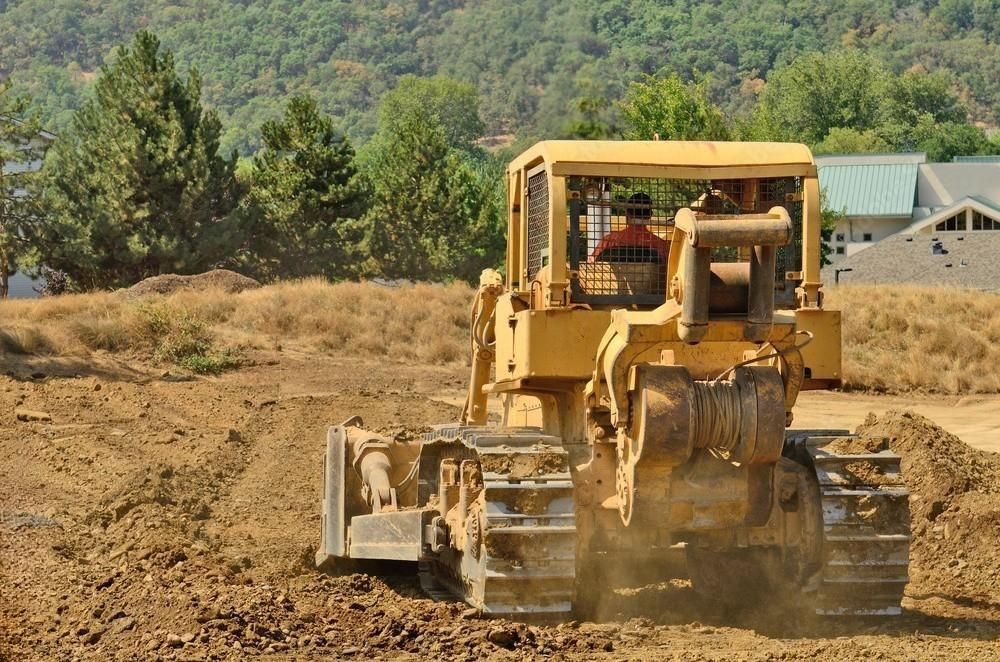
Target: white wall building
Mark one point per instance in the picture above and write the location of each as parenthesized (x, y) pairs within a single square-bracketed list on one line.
[(886, 194)]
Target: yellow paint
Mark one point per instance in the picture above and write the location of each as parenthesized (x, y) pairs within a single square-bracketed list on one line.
[(543, 339)]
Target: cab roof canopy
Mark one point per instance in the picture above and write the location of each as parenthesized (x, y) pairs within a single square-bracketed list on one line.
[(581, 156)]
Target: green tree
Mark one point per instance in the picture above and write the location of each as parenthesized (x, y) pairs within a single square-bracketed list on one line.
[(590, 121), (846, 102), (941, 142), (674, 110), (851, 141), (430, 217), (305, 199), (915, 95), (816, 93), (917, 103), (20, 148), (441, 101), (435, 207), (136, 186)]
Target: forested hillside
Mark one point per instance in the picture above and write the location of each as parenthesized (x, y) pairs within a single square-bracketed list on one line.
[(532, 61)]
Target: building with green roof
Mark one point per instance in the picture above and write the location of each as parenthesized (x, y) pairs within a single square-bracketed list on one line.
[(881, 195)]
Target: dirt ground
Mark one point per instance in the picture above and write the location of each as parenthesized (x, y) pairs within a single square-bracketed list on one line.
[(973, 418), (146, 515)]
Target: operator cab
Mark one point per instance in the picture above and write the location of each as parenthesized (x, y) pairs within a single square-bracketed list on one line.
[(620, 231)]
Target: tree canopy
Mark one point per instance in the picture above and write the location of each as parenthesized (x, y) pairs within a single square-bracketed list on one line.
[(671, 109), (136, 186), (451, 106), (305, 199), (20, 149), (529, 61), (819, 92), (434, 211), (845, 101)]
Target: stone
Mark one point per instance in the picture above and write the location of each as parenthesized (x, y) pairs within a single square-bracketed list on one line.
[(502, 637), (94, 635), (209, 614), (121, 549), (27, 415), (123, 624)]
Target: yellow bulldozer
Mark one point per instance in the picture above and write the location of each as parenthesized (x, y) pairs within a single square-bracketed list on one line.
[(634, 375)]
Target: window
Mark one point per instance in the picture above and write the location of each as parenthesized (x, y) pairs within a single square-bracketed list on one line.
[(840, 250), (983, 222), (866, 236), (952, 224), (840, 237)]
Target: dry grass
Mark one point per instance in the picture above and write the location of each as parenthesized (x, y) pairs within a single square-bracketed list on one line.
[(896, 338), (205, 330), (907, 338)]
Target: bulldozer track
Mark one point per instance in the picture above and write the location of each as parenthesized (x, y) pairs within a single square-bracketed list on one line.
[(865, 531), (526, 565)]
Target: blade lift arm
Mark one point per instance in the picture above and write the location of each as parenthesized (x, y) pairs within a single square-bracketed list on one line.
[(482, 345)]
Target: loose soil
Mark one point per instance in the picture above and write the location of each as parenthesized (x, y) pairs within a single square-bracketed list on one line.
[(154, 516), (221, 279)]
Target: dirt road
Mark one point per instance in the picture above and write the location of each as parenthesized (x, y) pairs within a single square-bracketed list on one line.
[(148, 516), (974, 418)]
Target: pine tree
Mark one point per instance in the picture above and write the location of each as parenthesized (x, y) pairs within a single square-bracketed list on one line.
[(305, 199), (434, 207), (136, 187), (19, 149)]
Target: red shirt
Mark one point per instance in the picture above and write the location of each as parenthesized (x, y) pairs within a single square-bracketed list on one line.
[(633, 236)]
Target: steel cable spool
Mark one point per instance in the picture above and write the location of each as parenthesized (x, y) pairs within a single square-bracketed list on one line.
[(718, 417)]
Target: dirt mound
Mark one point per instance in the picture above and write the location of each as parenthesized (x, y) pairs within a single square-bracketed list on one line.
[(954, 505), (221, 279)]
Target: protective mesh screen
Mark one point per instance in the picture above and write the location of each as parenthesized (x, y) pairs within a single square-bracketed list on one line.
[(619, 228), (538, 223)]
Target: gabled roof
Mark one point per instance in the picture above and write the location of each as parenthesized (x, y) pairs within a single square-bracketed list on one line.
[(869, 189), (978, 203), (986, 202)]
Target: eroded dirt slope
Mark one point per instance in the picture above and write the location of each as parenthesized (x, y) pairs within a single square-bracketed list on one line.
[(150, 517), (955, 508)]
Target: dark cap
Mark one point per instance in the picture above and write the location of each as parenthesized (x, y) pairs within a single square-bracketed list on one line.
[(640, 205)]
